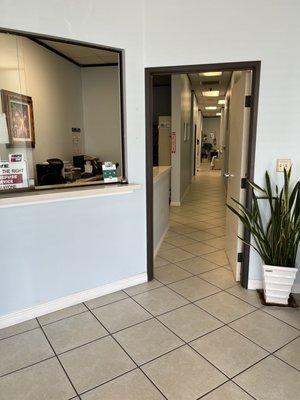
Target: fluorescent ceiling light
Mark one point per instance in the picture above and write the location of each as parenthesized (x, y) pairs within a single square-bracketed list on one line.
[(215, 73), (221, 102), (211, 108), (211, 93), (218, 114)]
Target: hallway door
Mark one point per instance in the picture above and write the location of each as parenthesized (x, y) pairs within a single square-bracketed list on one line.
[(239, 121)]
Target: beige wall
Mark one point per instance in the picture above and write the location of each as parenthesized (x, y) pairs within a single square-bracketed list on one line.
[(55, 87), (181, 124), (101, 112), (212, 125)]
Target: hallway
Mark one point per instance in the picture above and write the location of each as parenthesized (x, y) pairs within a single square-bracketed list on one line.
[(192, 333)]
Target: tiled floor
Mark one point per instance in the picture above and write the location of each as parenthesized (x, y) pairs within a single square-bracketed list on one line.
[(192, 333)]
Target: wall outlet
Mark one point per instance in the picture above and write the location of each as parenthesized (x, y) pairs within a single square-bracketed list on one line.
[(283, 164)]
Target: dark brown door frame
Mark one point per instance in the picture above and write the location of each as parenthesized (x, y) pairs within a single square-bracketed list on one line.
[(254, 66)]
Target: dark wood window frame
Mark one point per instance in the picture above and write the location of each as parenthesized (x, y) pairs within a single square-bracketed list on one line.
[(255, 67)]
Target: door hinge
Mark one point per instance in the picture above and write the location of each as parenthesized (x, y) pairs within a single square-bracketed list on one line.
[(240, 257), (243, 183), (248, 101)]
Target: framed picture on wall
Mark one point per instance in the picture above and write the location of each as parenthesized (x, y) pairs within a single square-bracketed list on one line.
[(19, 116)]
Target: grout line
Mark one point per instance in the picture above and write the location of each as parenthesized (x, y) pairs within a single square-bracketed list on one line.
[(116, 341), (27, 366), (50, 344)]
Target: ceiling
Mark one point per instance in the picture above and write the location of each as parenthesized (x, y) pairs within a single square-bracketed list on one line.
[(82, 55), (202, 83)]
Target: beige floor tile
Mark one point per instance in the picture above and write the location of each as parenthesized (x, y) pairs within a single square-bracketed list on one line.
[(287, 314), (161, 300), (96, 363), (166, 246), (270, 379), (160, 262), (225, 307), (18, 328), (75, 331), (170, 273), (201, 225), (194, 288), (143, 287), (228, 351), (197, 265), (60, 314), (148, 340), (220, 231), (218, 257), (220, 277), (266, 331), (218, 243), (189, 322), (200, 235), (121, 314), (199, 248), (183, 375), (228, 391), (23, 350), (250, 296), (107, 299), (45, 380), (183, 229), (291, 353), (180, 240), (217, 222), (132, 386), (175, 255), (170, 235)]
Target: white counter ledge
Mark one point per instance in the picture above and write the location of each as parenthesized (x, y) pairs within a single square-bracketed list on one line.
[(49, 196), (159, 172)]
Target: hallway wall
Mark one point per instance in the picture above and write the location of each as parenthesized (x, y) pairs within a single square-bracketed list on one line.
[(181, 125), (175, 41), (212, 125)]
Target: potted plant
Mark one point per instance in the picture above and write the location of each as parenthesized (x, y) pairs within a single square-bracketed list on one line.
[(275, 229)]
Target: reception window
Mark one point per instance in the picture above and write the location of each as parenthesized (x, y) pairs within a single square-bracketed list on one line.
[(60, 114)]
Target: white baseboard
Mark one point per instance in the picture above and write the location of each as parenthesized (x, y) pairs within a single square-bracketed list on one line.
[(254, 284), (71, 300), (175, 204), (160, 241)]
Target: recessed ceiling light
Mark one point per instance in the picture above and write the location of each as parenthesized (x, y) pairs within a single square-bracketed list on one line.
[(221, 102), (212, 73), (211, 93), (211, 108), (218, 114)]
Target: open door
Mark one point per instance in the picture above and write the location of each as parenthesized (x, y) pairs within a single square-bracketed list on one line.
[(239, 122), (164, 140)]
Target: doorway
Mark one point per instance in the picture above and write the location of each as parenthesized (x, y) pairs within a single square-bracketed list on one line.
[(252, 102)]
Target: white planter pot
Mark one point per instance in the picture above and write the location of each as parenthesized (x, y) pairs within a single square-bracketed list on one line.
[(278, 282)]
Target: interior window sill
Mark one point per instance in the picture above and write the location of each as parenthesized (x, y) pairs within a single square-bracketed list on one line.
[(74, 193)]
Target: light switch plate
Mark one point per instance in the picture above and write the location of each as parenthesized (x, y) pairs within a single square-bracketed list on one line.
[(283, 164)]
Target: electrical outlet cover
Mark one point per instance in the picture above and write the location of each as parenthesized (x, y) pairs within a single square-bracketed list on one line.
[(283, 164)]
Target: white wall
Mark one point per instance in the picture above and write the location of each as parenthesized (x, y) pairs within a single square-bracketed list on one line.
[(31, 281), (161, 207), (171, 40), (274, 41), (181, 123), (55, 87), (212, 125), (101, 112)]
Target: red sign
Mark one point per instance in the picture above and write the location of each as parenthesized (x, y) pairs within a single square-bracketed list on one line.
[(173, 143), (11, 179)]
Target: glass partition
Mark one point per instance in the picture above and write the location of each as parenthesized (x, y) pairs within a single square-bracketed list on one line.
[(60, 114)]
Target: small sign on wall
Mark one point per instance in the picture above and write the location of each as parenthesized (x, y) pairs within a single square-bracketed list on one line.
[(13, 175), (173, 143)]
